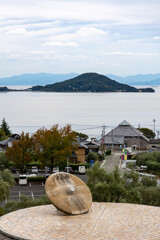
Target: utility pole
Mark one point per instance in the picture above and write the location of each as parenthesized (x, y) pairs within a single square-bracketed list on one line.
[(103, 139), (139, 137), (154, 125), (158, 134), (112, 141)]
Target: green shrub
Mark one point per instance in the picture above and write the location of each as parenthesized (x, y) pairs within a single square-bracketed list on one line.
[(4, 161), (32, 179), (108, 152), (127, 188), (153, 166), (1, 211), (6, 181), (35, 179), (92, 156), (150, 159), (148, 182), (25, 202)]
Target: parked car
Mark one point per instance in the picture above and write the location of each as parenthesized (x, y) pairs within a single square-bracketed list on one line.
[(34, 169), (68, 169), (82, 169), (23, 180), (32, 175), (47, 169), (55, 169), (46, 176), (13, 170)]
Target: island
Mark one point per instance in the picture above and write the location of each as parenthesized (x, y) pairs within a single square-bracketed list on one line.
[(87, 82)]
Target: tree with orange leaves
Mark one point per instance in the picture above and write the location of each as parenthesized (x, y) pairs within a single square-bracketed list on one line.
[(21, 151), (53, 146)]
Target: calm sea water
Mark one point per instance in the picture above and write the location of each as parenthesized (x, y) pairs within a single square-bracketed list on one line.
[(86, 112)]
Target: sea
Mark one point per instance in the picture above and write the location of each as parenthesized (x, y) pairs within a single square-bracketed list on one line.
[(88, 113)]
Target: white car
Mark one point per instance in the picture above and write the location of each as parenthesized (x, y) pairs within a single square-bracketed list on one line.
[(23, 180), (55, 169), (34, 169), (82, 169), (32, 175)]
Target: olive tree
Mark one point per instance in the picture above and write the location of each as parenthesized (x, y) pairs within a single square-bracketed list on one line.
[(6, 181)]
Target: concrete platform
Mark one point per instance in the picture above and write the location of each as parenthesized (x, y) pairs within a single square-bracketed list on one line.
[(105, 221)]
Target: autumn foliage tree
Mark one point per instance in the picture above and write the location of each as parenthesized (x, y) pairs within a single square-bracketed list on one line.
[(21, 151), (53, 146)]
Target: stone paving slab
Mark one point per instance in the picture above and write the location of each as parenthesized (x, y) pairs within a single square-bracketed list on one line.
[(105, 221)]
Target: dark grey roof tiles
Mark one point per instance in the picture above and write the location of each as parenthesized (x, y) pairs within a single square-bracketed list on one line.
[(6, 141), (124, 129)]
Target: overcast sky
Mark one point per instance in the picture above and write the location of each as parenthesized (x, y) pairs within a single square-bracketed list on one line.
[(121, 37)]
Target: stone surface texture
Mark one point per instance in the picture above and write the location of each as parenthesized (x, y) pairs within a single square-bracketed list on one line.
[(68, 193), (105, 221)]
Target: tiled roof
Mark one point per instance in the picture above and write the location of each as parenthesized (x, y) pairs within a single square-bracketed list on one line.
[(124, 123), (90, 144), (6, 141), (123, 130), (114, 139)]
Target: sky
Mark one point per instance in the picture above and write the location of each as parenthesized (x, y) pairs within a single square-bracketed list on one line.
[(120, 37)]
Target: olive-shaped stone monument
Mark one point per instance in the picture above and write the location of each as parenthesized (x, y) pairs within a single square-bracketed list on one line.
[(68, 193)]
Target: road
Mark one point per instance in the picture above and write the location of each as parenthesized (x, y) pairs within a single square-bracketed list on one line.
[(112, 161)]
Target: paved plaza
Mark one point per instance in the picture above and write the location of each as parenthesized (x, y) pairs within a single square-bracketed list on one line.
[(105, 221)]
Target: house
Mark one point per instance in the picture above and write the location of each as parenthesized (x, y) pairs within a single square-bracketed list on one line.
[(78, 156), (84, 147), (154, 144), (8, 142), (91, 146), (124, 135)]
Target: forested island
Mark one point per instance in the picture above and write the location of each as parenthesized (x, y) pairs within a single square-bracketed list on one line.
[(87, 82)]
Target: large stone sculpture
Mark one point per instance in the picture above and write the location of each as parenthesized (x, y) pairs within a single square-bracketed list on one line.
[(68, 193)]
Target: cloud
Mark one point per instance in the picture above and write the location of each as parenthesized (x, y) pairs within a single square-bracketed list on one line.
[(115, 13), (82, 32), (88, 31), (4, 50), (116, 34), (17, 31), (61, 44), (132, 53), (36, 52), (157, 38)]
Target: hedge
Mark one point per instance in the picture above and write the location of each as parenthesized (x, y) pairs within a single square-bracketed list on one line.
[(32, 179)]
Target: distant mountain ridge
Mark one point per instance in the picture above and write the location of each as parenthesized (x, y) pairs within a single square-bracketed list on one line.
[(49, 78), (34, 79), (149, 83), (139, 79), (89, 82)]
